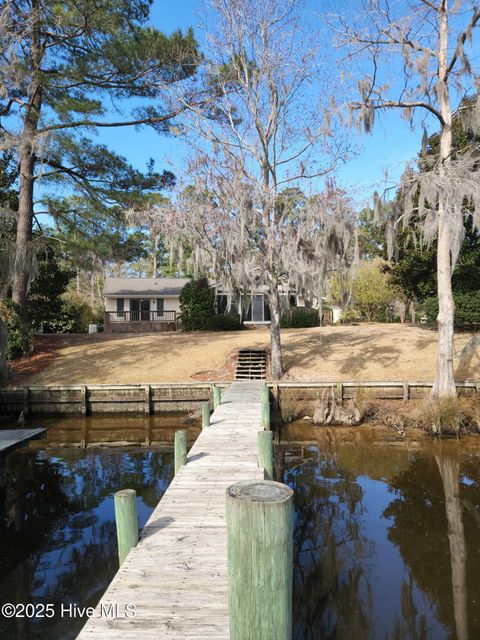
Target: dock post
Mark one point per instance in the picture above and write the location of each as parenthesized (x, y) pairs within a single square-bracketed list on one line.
[(205, 414), (265, 414), (126, 520), (180, 449), (217, 397), (265, 394), (260, 540), (265, 453)]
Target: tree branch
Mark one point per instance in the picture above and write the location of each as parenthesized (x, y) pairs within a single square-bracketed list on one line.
[(461, 41)]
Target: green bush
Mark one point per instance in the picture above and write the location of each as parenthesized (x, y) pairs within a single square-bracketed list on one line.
[(300, 317), (196, 304), (74, 316), (467, 308), (224, 322), (19, 340), (45, 298), (379, 315), (349, 315)]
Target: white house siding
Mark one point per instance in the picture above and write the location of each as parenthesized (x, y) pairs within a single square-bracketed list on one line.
[(170, 303)]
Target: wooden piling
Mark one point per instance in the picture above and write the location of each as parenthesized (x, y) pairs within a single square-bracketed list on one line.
[(126, 520), (180, 449), (265, 394), (260, 532), (83, 400), (217, 397), (205, 414), (266, 415), (147, 402), (26, 401), (265, 453)]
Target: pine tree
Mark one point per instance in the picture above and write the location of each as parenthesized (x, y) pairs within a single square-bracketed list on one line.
[(60, 64)]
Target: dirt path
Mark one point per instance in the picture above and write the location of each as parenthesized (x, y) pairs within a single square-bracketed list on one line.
[(363, 352)]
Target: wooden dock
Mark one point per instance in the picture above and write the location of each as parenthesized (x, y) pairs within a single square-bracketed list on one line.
[(10, 438), (177, 575)]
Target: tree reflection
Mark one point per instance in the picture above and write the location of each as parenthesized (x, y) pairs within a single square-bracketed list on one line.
[(428, 505), (332, 596), (57, 526), (449, 468), (431, 528)]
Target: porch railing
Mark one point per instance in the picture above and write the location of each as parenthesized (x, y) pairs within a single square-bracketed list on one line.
[(113, 317)]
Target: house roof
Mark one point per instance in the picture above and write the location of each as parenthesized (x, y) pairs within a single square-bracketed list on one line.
[(143, 286)]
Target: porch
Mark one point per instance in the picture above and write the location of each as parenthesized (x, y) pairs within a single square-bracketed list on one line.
[(140, 321)]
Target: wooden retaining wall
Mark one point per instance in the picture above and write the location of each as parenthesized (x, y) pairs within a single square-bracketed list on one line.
[(150, 399), (401, 390), (91, 399)]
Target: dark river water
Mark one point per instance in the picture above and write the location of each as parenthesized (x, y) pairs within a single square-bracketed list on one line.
[(386, 541), (57, 526)]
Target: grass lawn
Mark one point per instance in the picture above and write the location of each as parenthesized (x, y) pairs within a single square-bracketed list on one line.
[(336, 353)]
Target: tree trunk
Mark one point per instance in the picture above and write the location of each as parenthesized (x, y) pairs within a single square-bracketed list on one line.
[(154, 257), (3, 350), (450, 473), (413, 315), (277, 364), (22, 264), (23, 259), (444, 385)]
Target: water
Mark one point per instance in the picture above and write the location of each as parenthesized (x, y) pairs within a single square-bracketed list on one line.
[(386, 535), (57, 528), (375, 554)]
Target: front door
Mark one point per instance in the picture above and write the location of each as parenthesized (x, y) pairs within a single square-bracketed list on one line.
[(140, 310), (257, 308)]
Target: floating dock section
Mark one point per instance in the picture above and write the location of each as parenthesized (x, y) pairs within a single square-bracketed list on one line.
[(11, 438)]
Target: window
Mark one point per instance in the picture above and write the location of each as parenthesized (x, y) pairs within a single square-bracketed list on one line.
[(160, 307), (120, 308)]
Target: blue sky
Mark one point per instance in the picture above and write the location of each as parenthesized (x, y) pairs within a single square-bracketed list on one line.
[(390, 146)]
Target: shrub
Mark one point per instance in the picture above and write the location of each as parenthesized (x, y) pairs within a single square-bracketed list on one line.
[(74, 316), (450, 416), (19, 340), (299, 317), (196, 303), (349, 315), (224, 322), (45, 298), (467, 307)]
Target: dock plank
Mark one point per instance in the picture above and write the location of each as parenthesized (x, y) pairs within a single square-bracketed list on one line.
[(177, 575), (11, 438)]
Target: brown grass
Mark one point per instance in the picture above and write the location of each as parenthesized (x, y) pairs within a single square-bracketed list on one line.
[(450, 416), (334, 353)]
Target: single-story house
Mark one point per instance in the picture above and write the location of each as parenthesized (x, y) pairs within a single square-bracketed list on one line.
[(142, 304), (153, 304)]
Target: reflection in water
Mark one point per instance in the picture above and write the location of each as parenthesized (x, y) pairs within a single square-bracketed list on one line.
[(57, 517), (383, 532), (449, 468)]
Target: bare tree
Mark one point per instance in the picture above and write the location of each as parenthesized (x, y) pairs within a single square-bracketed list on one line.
[(425, 43), (268, 135), (222, 218)]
